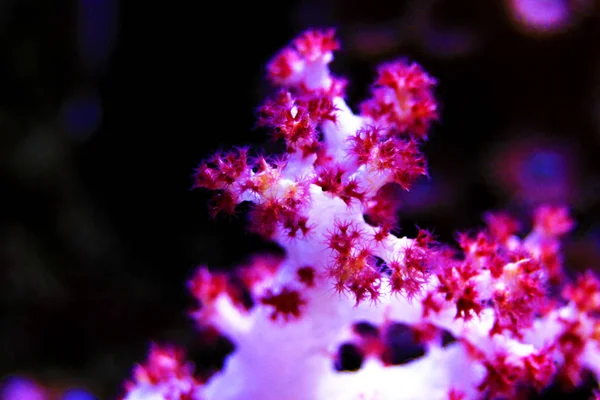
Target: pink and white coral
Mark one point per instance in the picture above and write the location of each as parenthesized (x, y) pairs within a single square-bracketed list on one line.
[(324, 201)]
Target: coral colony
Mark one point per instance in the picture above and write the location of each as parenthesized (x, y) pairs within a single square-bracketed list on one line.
[(352, 311)]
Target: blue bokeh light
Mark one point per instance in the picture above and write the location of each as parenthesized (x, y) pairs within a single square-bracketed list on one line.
[(97, 31), (82, 115), (544, 167), (78, 394)]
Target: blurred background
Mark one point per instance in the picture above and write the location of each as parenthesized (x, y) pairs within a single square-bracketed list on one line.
[(107, 106)]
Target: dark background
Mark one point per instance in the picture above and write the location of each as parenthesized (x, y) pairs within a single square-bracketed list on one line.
[(106, 107)]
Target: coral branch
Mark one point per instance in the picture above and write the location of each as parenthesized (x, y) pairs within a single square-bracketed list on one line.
[(353, 311)]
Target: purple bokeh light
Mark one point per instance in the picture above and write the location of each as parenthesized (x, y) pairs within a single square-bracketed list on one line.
[(15, 388)]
